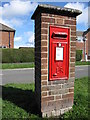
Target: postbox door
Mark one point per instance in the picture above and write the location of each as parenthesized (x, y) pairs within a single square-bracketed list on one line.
[(59, 59), (59, 55)]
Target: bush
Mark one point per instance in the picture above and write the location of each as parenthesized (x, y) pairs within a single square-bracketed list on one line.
[(17, 55), (78, 55)]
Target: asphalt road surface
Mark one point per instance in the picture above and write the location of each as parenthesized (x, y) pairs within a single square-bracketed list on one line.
[(27, 75)]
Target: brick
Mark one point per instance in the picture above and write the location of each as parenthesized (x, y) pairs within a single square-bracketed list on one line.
[(54, 87), (43, 106), (58, 16), (67, 85), (71, 80), (44, 72), (73, 28), (44, 99), (44, 55), (43, 77), (73, 33), (72, 64), (43, 37), (60, 104), (50, 92), (73, 43), (72, 74), (68, 95), (44, 83), (57, 92), (62, 111), (71, 89), (73, 38), (43, 25), (48, 20), (71, 22), (44, 43), (72, 54), (73, 48), (49, 82), (67, 102), (44, 66), (44, 94), (58, 82), (44, 31), (72, 69), (59, 21), (55, 104), (72, 59), (58, 97), (44, 88), (44, 60)]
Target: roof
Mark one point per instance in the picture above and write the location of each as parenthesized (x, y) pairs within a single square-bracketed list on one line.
[(79, 33), (55, 10), (6, 28)]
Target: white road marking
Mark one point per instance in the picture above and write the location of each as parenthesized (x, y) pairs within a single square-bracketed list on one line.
[(82, 66), (80, 69), (1, 74), (18, 69)]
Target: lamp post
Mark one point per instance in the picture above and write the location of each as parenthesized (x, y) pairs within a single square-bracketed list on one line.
[(84, 40)]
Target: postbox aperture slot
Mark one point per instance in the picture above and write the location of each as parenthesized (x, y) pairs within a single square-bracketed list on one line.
[(59, 35)]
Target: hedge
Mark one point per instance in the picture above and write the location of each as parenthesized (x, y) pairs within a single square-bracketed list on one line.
[(78, 55), (25, 55), (17, 55)]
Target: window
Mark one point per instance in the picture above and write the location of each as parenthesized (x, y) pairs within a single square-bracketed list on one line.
[(3, 47)]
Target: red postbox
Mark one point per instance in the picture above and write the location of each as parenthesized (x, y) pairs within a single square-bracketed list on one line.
[(59, 53)]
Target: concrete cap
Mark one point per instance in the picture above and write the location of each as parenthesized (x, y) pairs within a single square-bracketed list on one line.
[(45, 8)]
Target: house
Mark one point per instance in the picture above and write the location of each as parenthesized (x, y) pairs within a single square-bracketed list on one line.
[(82, 43), (79, 42), (86, 35), (6, 36)]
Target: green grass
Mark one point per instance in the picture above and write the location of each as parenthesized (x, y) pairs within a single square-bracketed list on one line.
[(30, 65), (80, 107), (19, 102), (17, 65), (82, 63)]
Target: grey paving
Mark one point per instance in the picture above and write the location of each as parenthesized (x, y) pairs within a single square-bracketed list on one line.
[(27, 75)]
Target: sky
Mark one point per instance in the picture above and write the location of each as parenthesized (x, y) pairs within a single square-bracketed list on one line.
[(17, 14)]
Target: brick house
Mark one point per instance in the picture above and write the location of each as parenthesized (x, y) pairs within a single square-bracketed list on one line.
[(87, 43), (83, 45), (6, 36)]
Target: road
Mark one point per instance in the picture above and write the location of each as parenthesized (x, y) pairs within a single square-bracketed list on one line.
[(82, 71), (27, 75), (18, 76)]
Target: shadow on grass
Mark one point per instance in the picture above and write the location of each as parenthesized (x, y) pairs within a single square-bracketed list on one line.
[(22, 98)]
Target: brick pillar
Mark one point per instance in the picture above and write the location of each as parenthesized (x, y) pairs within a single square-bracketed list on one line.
[(53, 97)]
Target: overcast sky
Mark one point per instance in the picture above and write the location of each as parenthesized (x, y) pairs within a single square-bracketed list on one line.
[(17, 14)]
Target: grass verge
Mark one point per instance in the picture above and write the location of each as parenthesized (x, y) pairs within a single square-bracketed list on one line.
[(19, 102), (30, 65), (82, 63), (17, 65)]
